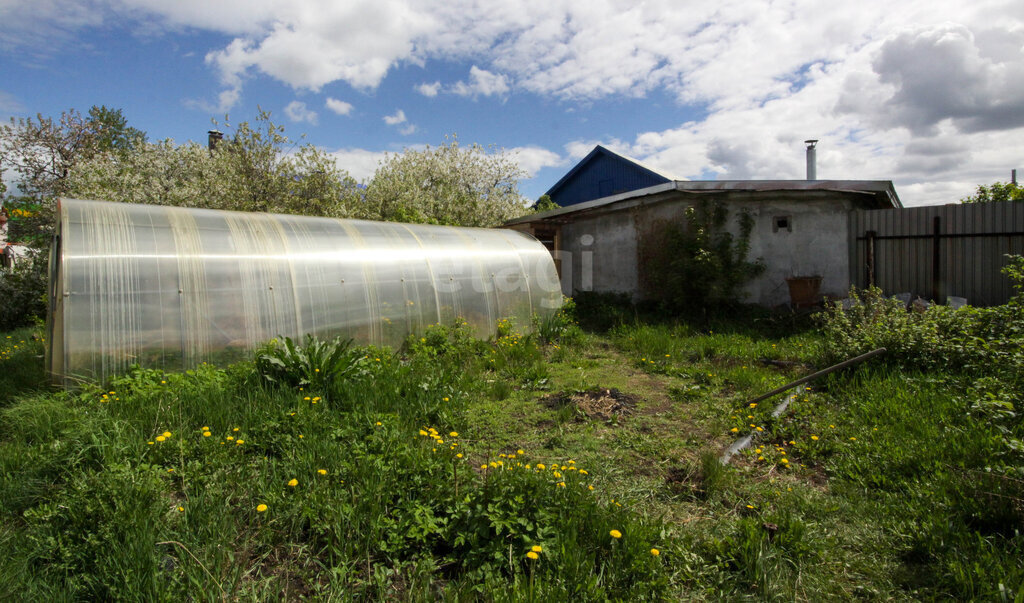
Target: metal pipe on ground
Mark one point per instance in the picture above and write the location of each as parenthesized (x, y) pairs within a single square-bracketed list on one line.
[(743, 442)]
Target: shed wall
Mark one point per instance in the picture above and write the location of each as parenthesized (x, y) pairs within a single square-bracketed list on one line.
[(605, 255)]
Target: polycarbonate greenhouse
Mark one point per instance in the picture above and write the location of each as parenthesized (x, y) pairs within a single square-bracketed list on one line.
[(169, 287)]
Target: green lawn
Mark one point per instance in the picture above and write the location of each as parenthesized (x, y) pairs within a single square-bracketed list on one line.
[(434, 472)]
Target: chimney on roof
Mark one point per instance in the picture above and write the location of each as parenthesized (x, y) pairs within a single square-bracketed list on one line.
[(812, 160), (1013, 176), (212, 138)]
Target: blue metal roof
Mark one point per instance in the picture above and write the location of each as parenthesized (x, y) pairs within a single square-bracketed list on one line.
[(600, 174)]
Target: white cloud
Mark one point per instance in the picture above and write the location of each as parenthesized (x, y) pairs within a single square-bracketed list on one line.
[(928, 93), (532, 159), (361, 164), (394, 120), (297, 111), (337, 106), (482, 83), (408, 129), (429, 90)]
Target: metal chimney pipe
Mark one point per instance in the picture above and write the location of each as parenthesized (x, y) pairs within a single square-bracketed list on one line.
[(812, 160), (212, 138), (1013, 176)]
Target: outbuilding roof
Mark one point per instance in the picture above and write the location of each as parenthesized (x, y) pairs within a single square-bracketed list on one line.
[(878, 194)]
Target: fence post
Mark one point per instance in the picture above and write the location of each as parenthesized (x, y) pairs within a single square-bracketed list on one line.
[(936, 259), (871, 257)]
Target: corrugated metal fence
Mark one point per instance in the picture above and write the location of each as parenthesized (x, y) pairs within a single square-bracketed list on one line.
[(938, 251)]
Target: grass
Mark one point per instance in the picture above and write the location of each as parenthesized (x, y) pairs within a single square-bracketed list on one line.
[(877, 482)]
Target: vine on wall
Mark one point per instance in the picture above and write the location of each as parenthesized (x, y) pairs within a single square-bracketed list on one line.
[(697, 263)]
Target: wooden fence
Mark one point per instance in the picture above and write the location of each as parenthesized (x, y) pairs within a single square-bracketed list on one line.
[(938, 251)]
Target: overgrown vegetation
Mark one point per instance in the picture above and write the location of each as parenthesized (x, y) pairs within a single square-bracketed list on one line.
[(433, 472), (701, 263)]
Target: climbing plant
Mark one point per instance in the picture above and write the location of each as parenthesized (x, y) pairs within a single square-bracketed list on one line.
[(699, 263)]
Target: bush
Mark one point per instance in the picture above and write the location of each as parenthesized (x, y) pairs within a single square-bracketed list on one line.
[(23, 292), (560, 327), (603, 311), (958, 340), (700, 266)]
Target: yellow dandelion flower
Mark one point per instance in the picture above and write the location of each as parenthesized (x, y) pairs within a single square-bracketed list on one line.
[(204, 428), (852, 439), (322, 471), (239, 442), (230, 438), (458, 456), (166, 434), (160, 438), (590, 487), (536, 548), (378, 423), (484, 466), (150, 443), (453, 434), (293, 482), (445, 398), (533, 555), (520, 451), (541, 466), (734, 430), (423, 433), (759, 429), (236, 429), (615, 534), (261, 508), (814, 437), (655, 552)]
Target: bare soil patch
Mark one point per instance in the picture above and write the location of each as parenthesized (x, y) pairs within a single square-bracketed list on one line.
[(595, 403)]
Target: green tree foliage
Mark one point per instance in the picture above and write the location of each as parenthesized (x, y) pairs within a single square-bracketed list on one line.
[(255, 168), (43, 151), (447, 184), (544, 203), (998, 191)]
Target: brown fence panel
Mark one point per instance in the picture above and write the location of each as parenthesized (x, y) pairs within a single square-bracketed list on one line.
[(938, 251)]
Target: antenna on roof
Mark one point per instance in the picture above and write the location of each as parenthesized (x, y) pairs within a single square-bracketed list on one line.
[(812, 159)]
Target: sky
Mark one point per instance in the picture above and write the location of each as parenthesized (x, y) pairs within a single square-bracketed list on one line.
[(928, 94)]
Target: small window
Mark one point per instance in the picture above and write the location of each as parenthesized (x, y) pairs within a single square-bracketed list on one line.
[(782, 223)]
